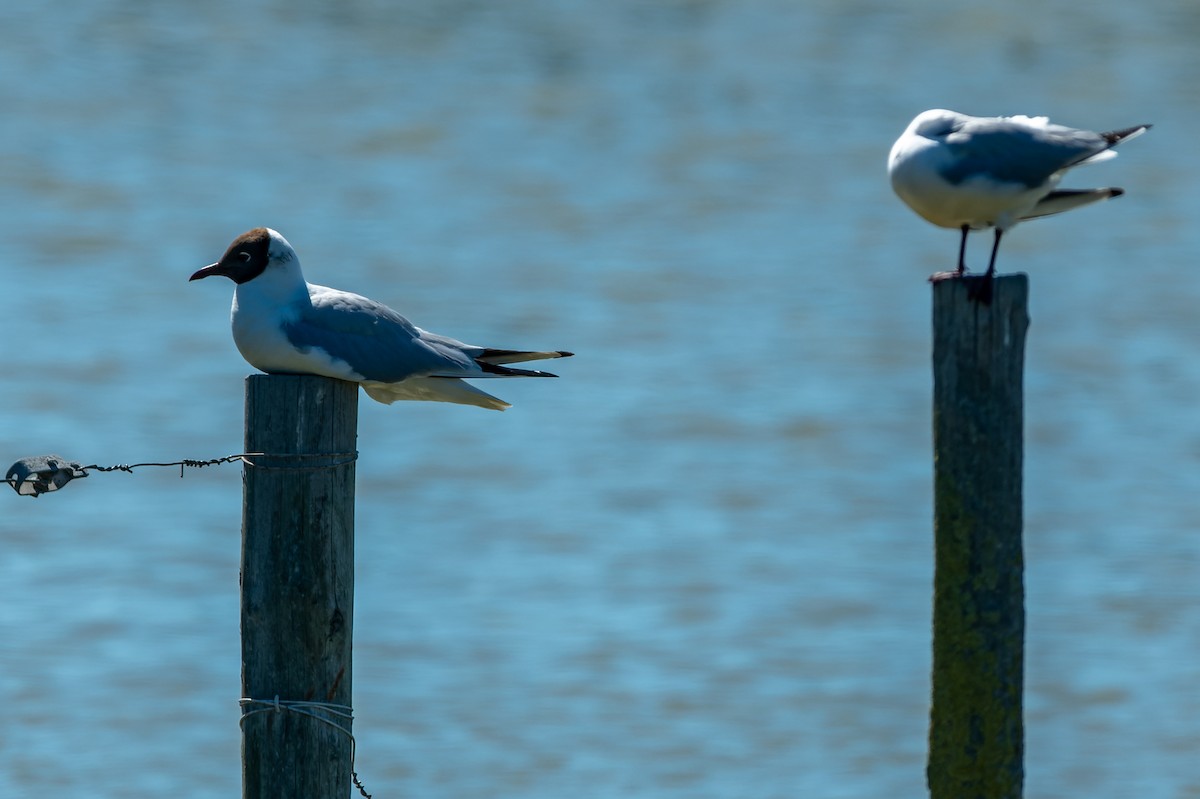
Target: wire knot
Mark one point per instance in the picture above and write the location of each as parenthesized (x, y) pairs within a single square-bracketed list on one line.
[(312, 710)]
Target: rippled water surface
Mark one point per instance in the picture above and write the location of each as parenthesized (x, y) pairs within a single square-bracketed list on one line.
[(699, 564)]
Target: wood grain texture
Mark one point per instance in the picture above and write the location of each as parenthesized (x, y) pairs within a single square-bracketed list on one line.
[(976, 738), (297, 581)]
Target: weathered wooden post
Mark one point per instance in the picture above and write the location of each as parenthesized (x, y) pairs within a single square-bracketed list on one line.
[(976, 737), (297, 585)]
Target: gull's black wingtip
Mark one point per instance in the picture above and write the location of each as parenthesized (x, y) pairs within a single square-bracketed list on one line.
[(1114, 137), (509, 371)]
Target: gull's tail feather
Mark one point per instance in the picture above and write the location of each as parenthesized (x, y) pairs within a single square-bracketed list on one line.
[(451, 388), (1066, 199), (495, 356), (434, 389)]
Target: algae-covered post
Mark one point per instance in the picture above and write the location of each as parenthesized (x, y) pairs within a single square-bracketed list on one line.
[(976, 737), (297, 585)]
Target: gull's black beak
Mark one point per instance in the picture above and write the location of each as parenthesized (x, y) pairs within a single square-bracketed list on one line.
[(209, 271)]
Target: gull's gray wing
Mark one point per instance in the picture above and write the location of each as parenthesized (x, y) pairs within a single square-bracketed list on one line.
[(1013, 152), (376, 342)]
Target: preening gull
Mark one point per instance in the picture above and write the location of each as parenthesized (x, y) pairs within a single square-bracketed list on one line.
[(974, 173), (285, 325)]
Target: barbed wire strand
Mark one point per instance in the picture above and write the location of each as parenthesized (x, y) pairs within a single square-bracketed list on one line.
[(305, 708), (129, 467), (186, 462), (343, 458)]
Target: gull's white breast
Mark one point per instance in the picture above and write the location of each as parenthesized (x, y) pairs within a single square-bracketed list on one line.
[(258, 332)]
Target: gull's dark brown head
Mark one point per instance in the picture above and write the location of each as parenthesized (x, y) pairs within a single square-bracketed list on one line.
[(245, 259)]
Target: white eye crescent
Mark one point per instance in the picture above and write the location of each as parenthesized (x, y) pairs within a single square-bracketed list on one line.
[(245, 256)]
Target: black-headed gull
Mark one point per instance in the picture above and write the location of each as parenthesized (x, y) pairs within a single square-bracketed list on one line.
[(974, 173), (284, 325)]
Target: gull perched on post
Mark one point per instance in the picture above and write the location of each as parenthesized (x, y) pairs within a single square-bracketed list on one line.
[(974, 173), (285, 325)]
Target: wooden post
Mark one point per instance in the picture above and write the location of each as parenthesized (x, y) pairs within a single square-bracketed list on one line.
[(976, 736), (297, 582)]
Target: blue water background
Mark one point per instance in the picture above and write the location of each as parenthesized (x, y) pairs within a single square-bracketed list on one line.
[(698, 565)]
